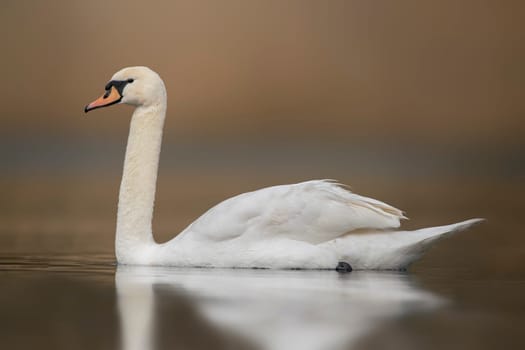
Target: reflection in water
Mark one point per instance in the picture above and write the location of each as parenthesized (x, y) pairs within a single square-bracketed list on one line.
[(135, 304), (267, 309)]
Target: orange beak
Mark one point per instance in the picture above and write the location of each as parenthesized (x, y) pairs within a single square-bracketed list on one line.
[(111, 97)]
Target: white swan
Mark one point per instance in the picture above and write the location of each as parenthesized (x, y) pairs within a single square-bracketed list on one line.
[(310, 225)]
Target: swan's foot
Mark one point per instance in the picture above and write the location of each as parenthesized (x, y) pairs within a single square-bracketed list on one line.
[(343, 267)]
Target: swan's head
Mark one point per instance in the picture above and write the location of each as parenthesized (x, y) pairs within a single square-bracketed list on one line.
[(137, 86)]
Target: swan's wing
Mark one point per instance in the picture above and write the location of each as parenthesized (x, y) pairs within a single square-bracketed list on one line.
[(313, 211)]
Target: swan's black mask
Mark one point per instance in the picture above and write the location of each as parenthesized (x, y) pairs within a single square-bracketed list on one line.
[(114, 90), (118, 84)]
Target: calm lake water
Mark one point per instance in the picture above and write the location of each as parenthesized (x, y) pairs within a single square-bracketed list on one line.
[(61, 288), (87, 302)]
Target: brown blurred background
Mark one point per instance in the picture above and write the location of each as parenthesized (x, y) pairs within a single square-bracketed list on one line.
[(439, 71), (418, 103)]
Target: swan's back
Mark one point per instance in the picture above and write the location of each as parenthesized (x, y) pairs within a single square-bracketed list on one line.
[(313, 212)]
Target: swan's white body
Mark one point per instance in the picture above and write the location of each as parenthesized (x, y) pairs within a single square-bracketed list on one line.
[(311, 225)]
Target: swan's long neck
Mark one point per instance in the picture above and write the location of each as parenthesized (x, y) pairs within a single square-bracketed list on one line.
[(137, 190)]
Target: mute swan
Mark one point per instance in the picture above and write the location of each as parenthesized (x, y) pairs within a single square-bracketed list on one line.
[(309, 225)]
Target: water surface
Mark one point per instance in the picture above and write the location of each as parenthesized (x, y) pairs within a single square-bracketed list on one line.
[(86, 301)]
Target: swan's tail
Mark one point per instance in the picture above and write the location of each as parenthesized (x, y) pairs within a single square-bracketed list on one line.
[(391, 250)]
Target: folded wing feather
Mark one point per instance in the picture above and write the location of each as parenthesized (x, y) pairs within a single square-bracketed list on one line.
[(313, 211)]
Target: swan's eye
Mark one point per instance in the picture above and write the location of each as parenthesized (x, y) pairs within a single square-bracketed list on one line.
[(130, 80)]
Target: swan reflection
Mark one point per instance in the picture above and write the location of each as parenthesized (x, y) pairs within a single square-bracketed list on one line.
[(263, 309)]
